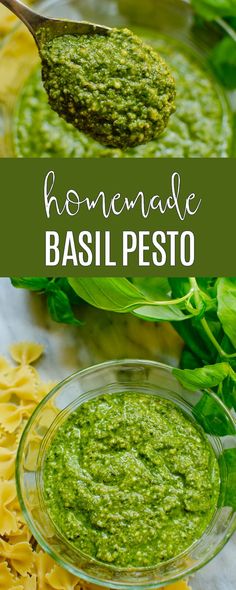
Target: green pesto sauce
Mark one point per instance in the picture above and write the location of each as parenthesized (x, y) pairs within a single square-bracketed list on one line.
[(200, 127), (129, 480), (112, 87)]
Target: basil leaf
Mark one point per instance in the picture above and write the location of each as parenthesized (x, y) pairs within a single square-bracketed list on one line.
[(192, 332), (60, 308), (228, 347), (31, 283), (226, 294), (161, 313), (195, 342), (232, 22), (153, 287), (228, 463), (211, 9), (205, 377), (189, 360), (212, 417), (208, 285), (228, 393), (216, 329), (179, 287), (158, 288), (122, 296), (207, 303), (209, 376), (223, 62), (63, 285), (113, 294)]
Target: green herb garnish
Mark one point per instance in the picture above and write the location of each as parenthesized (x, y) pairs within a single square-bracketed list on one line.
[(223, 55), (203, 311)]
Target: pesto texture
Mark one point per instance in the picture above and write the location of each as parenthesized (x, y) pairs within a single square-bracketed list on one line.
[(200, 127), (129, 480), (112, 87)]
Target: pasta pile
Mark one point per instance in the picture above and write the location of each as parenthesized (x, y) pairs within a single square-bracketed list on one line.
[(23, 564)]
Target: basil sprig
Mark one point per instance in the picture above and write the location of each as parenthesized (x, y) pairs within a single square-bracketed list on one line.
[(223, 55), (60, 296), (212, 9), (203, 311)]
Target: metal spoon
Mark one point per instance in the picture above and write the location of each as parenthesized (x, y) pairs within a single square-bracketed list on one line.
[(44, 29)]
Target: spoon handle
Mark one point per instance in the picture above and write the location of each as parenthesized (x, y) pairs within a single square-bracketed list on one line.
[(30, 18)]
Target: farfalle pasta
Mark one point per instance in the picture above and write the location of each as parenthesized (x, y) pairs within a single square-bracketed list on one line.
[(7, 440), (30, 583), (7, 579), (23, 564), (11, 416), (19, 555), (7, 462), (8, 519), (19, 382), (61, 580), (26, 353), (22, 534), (4, 364)]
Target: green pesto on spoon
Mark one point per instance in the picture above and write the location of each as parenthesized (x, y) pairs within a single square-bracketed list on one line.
[(106, 82)]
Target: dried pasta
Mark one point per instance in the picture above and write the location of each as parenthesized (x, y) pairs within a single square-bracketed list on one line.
[(26, 353), (19, 556), (22, 534), (61, 580), (8, 520), (7, 579), (7, 462), (4, 364), (7, 440), (11, 416), (30, 583), (23, 564), (19, 382)]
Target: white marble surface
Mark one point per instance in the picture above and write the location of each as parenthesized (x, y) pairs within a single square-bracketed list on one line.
[(23, 316)]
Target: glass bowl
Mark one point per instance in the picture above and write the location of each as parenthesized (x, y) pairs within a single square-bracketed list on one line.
[(204, 408), (172, 18)]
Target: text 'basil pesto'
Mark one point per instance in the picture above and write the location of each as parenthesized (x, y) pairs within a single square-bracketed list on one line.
[(113, 87)]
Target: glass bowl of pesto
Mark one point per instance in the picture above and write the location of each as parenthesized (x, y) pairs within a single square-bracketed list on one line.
[(125, 478), (202, 125)]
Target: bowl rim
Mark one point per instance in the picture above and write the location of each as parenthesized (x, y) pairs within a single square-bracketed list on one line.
[(57, 558)]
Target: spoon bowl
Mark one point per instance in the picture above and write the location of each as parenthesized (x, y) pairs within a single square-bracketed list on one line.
[(51, 28)]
